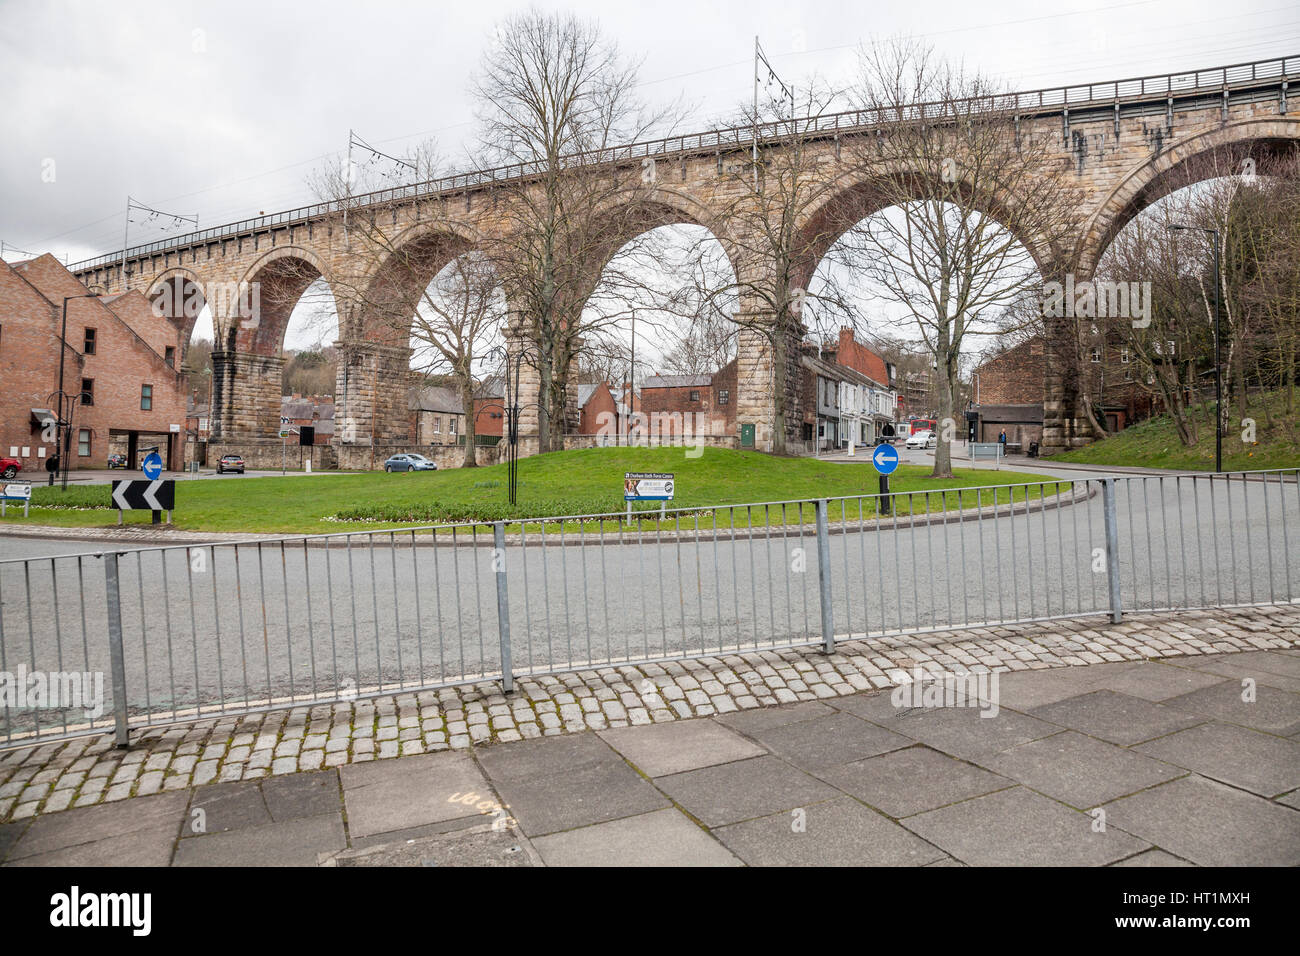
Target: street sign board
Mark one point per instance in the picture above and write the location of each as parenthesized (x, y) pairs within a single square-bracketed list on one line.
[(885, 458), (15, 491), (152, 466), (144, 495), (648, 486)]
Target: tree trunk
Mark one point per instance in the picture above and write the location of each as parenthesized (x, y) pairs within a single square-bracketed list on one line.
[(779, 383), (467, 403)]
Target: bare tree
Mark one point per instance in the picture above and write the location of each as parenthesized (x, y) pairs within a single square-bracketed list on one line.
[(960, 190), (774, 238), (556, 97)]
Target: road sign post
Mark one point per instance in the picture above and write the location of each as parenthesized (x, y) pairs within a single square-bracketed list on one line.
[(15, 491), (152, 468), (157, 496), (648, 486), (885, 458)]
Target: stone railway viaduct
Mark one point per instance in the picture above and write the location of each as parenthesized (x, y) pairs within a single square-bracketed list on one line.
[(1125, 143)]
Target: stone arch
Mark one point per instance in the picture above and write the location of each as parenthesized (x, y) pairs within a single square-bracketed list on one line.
[(851, 197), (178, 294), (656, 208), (253, 318), (1199, 158), (390, 291)]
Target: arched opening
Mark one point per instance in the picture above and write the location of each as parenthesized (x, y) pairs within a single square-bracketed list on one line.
[(272, 330), (1209, 245), (905, 302), (656, 359)]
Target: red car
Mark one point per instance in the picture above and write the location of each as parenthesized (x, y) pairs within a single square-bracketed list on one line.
[(10, 467)]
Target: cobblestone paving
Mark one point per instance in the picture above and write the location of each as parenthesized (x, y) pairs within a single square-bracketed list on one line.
[(90, 770)]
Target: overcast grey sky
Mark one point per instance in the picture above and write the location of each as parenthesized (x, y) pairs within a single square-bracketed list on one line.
[(223, 108)]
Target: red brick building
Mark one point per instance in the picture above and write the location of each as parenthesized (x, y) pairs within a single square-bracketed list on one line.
[(689, 406), (1007, 390), (489, 407), (120, 371), (597, 410)]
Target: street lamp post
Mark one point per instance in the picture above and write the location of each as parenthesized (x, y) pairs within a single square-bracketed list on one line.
[(1218, 338), (62, 439)]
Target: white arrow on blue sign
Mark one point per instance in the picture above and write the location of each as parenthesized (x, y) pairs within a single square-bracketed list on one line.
[(152, 466), (885, 458)]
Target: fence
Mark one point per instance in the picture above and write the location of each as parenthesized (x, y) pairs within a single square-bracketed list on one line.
[(156, 635)]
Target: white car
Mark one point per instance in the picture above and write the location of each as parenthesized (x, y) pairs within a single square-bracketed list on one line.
[(922, 439)]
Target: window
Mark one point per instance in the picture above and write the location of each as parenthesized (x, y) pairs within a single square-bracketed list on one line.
[(89, 347), (169, 356), (1096, 356), (437, 424), (451, 425), (146, 398), (88, 391), (724, 396), (1124, 356), (83, 443), (695, 395)]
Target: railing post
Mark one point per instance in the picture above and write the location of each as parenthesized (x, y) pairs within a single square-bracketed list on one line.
[(117, 660), (824, 575), (503, 604), (1112, 547)]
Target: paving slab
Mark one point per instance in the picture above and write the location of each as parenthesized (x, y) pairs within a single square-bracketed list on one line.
[(1118, 718), (1081, 771), (828, 741), (737, 791), (297, 795), (522, 759), (1025, 690), (149, 847), (1273, 711), (840, 832), (1210, 824), (1261, 763), (292, 843), (225, 806), (407, 792), (748, 721), (607, 790), (1019, 828), (478, 846), (905, 782), (1270, 662), (962, 732), (1230, 668), (1155, 681), (662, 749), (142, 826), (661, 838), (1153, 858), (9, 834)]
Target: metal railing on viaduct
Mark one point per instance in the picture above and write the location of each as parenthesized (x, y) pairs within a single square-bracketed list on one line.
[(1077, 99), (125, 639)]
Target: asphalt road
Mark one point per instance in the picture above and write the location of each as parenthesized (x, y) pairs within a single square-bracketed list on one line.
[(241, 624)]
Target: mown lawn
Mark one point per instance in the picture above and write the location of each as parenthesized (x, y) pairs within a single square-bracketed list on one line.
[(580, 482), (1155, 443)]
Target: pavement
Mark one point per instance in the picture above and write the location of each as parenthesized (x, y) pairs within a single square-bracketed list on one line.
[(1178, 755)]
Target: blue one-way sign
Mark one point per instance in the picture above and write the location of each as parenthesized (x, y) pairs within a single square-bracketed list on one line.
[(885, 458), (152, 466)]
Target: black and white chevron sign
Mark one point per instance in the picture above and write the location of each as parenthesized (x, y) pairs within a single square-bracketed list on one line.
[(139, 495)]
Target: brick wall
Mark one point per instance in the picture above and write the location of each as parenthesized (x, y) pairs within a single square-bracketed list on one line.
[(1015, 377), (129, 352)]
